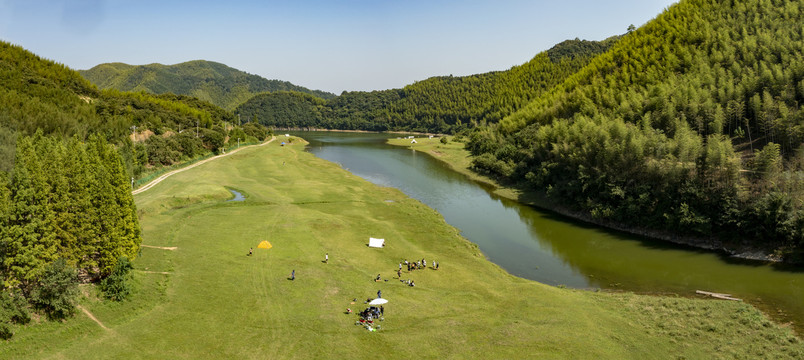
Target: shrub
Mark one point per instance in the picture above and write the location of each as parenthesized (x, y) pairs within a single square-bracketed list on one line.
[(444, 140), (13, 308), (5, 331), (56, 292), (116, 286)]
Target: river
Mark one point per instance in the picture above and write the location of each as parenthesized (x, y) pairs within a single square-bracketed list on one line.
[(552, 249)]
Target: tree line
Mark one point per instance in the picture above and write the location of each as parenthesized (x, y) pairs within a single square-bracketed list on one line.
[(445, 104), (64, 200)]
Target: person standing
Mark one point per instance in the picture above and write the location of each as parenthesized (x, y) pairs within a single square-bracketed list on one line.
[(379, 294), (326, 258), (293, 275)]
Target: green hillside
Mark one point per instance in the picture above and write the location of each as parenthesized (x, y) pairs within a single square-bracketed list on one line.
[(444, 104), (40, 95), (206, 80), (68, 158), (691, 124)]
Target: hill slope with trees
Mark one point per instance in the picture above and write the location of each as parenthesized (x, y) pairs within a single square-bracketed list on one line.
[(692, 124), (445, 104), (206, 80)]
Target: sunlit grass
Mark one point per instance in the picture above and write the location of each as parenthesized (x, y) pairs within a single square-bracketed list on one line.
[(217, 302)]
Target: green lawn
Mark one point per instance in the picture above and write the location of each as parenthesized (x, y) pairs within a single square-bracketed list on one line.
[(216, 302)]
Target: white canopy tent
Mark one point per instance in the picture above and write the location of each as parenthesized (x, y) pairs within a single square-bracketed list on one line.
[(376, 242), (378, 301)]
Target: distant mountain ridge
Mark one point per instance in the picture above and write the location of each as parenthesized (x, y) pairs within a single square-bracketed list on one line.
[(217, 83)]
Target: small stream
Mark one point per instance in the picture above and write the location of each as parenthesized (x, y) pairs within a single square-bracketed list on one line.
[(237, 196)]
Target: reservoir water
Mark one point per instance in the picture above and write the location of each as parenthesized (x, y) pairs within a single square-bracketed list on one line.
[(545, 247)]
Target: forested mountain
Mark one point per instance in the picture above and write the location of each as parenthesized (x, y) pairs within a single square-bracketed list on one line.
[(692, 124), (206, 80), (444, 104)]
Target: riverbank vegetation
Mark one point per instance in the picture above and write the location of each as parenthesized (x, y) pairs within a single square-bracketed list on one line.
[(208, 298)]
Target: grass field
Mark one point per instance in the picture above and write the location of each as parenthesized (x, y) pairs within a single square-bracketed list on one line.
[(216, 302)]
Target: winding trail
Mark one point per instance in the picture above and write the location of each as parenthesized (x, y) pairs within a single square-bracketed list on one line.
[(168, 174)]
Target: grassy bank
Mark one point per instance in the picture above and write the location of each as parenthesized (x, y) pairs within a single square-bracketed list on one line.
[(216, 302)]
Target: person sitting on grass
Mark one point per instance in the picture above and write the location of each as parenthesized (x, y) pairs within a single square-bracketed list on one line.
[(377, 278), (412, 284)]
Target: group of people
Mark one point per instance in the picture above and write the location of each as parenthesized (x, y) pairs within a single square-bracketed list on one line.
[(373, 312), (421, 264)]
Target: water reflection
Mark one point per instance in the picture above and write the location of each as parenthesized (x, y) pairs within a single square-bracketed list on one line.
[(552, 249)]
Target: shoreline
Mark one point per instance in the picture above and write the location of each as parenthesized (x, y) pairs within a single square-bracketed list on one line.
[(538, 200)]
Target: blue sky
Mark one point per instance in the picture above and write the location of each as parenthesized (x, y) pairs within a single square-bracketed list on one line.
[(329, 45)]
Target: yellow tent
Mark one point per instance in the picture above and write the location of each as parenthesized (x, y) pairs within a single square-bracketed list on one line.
[(264, 245)]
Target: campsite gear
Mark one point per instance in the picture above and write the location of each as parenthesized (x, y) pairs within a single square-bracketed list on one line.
[(378, 301), (378, 243), (264, 245)]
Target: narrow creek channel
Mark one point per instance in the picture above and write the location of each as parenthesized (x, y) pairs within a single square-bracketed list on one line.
[(552, 249)]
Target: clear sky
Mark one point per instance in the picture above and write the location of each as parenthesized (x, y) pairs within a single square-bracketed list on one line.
[(331, 45)]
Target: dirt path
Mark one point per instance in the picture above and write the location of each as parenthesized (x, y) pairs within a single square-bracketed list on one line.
[(171, 248), (168, 174), (89, 314), (154, 272)]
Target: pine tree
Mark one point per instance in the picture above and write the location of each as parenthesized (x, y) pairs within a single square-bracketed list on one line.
[(30, 241)]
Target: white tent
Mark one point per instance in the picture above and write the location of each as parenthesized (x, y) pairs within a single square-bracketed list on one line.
[(376, 242)]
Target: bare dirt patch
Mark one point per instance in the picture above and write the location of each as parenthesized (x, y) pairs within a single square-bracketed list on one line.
[(171, 248)]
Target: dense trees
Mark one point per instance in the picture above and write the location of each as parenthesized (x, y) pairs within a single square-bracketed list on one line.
[(692, 124), (66, 199), (206, 80), (65, 207), (40, 95), (445, 104)]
